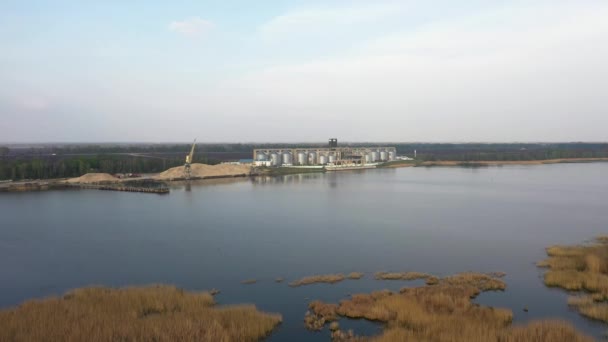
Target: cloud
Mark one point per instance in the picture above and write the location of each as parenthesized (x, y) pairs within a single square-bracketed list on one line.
[(525, 72), (191, 27), (322, 19)]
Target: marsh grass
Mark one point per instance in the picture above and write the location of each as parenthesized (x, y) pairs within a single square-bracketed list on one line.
[(497, 274), (581, 268), (401, 275), (355, 275), (440, 312), (324, 278), (592, 306), (154, 313)]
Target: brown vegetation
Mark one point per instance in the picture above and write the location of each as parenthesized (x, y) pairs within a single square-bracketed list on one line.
[(249, 281), (325, 278), (581, 268), (401, 275), (155, 313), (440, 312), (497, 274), (355, 275)]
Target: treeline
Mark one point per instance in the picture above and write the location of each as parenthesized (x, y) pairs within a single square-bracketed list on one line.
[(510, 156), (437, 149), (45, 161), (505, 152), (65, 167)]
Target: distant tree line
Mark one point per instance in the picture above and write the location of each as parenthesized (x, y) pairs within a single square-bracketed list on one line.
[(64, 167), (44, 161), (504, 152)]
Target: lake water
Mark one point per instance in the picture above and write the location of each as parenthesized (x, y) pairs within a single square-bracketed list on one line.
[(436, 220)]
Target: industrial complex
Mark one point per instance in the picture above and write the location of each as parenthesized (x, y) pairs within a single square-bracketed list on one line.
[(331, 157)]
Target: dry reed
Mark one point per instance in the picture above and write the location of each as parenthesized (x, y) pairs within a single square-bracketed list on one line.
[(581, 268), (401, 275), (325, 278), (155, 313), (355, 275), (441, 312)]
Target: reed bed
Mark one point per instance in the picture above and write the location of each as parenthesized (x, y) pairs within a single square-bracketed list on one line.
[(401, 275), (154, 313), (440, 312), (582, 268), (355, 275), (324, 278)]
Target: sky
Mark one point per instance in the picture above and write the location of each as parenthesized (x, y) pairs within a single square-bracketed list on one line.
[(303, 71)]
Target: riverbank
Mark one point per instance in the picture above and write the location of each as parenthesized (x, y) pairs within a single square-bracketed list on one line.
[(481, 163), (203, 172)]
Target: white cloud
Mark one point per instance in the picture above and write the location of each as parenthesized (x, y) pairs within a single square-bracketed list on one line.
[(320, 19), (191, 27), (525, 72)]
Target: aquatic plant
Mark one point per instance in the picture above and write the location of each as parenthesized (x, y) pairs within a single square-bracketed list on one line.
[(440, 312), (153, 313), (581, 268), (325, 278), (355, 275), (401, 275)]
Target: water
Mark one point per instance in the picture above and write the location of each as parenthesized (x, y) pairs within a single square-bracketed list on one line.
[(436, 220)]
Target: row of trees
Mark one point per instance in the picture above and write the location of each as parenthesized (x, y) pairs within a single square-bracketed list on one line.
[(511, 156), (43, 168), (406, 148), (34, 163)]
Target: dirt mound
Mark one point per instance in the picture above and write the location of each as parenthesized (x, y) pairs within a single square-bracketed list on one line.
[(206, 171), (90, 178)]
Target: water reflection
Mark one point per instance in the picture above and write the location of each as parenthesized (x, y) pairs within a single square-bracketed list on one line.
[(435, 220), (285, 179)]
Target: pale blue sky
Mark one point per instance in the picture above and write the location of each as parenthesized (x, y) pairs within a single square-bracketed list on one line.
[(244, 71)]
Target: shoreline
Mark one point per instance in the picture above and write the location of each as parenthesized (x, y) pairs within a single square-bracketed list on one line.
[(63, 184), (483, 163)]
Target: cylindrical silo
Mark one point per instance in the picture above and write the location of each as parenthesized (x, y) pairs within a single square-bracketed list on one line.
[(392, 156), (322, 159), (375, 156), (275, 159), (332, 159), (368, 158), (312, 158), (287, 158), (302, 158), (384, 156), (261, 156)]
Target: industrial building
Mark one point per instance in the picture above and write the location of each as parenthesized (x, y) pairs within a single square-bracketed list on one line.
[(331, 158)]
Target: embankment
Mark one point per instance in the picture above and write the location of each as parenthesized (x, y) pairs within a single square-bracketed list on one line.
[(203, 171)]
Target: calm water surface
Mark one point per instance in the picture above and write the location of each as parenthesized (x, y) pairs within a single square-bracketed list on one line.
[(436, 220)]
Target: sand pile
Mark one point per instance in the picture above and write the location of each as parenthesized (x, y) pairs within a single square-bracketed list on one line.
[(206, 171), (91, 178)]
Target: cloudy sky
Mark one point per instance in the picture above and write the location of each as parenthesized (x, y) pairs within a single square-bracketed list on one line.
[(243, 71)]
